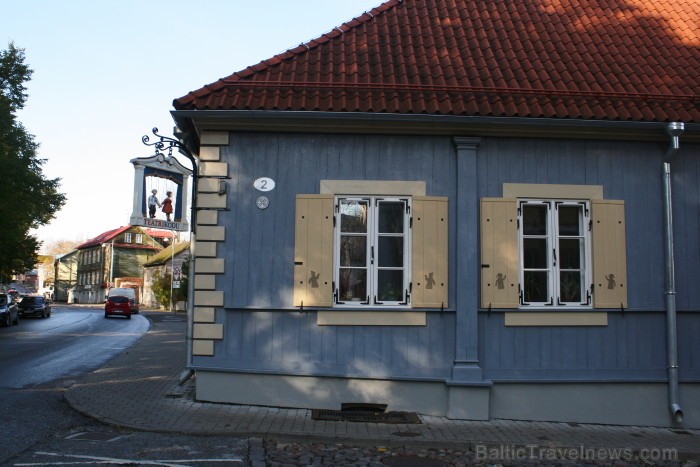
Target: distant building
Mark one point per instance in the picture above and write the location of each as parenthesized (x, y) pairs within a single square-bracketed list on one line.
[(161, 265), (65, 275), (114, 259)]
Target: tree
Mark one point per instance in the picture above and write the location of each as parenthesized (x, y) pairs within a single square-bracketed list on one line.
[(27, 198), (161, 286)]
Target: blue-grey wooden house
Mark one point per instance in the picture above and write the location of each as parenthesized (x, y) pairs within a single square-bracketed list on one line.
[(460, 208)]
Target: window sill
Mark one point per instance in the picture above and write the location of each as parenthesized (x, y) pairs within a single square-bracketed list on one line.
[(556, 318), (371, 318)]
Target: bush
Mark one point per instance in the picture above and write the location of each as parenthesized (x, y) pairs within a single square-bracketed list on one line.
[(161, 287)]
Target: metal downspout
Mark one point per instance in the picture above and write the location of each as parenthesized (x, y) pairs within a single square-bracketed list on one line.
[(188, 372), (674, 130)]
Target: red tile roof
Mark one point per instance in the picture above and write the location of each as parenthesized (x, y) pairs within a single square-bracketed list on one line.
[(636, 60), (157, 233), (104, 237)]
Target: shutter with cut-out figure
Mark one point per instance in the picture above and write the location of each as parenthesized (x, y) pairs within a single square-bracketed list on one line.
[(499, 253), (313, 251), (609, 254), (429, 270)]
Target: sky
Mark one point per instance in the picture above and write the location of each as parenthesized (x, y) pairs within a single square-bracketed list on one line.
[(106, 73)]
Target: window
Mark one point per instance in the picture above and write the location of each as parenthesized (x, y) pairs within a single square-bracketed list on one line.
[(139, 238), (554, 244), (372, 252), (127, 238)]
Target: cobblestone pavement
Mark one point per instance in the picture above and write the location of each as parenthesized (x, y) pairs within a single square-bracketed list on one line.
[(142, 388), (278, 454)]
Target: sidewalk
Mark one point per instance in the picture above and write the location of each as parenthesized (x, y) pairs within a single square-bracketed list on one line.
[(139, 390)]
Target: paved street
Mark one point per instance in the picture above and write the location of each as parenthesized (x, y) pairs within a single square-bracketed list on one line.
[(41, 358), (70, 342), (141, 387)]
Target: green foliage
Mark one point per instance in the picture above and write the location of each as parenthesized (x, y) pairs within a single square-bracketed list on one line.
[(27, 199), (161, 286)]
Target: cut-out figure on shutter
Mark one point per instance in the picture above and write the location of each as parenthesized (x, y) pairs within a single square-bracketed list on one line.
[(500, 281), (611, 281), (429, 281), (313, 280)]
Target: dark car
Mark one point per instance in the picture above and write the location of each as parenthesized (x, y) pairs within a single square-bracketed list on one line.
[(35, 305), (118, 305), (9, 313)]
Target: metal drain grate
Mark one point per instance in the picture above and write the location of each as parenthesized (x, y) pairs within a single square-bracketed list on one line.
[(95, 436), (366, 416)]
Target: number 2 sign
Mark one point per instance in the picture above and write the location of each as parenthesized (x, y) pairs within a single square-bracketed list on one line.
[(264, 184)]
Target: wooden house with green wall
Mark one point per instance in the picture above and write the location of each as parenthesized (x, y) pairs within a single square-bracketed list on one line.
[(114, 258)]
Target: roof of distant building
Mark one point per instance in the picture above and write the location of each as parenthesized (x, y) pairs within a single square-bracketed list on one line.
[(104, 237), (109, 235), (167, 253)]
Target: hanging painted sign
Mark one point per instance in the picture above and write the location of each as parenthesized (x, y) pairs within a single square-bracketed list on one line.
[(160, 193)]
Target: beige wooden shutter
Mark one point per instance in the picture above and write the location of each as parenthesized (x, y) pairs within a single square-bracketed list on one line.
[(313, 251), (609, 254), (429, 252), (499, 253)]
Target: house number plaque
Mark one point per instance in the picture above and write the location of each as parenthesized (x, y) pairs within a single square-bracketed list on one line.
[(264, 184)]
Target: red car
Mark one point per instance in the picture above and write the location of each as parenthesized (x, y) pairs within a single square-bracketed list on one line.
[(118, 305)]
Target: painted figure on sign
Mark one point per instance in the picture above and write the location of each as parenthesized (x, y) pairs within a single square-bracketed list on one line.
[(611, 281), (152, 204), (168, 205), (500, 281), (429, 281)]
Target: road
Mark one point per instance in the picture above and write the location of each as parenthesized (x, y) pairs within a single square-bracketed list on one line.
[(39, 358), (73, 340)]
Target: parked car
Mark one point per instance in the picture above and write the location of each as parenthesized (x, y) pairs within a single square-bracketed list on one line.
[(16, 296), (9, 313), (35, 305), (118, 305)]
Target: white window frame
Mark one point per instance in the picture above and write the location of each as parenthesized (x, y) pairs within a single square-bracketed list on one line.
[(139, 238), (372, 253), (127, 237), (553, 266)]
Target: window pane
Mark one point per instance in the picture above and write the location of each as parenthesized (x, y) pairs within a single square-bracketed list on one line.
[(391, 215), (570, 286), (353, 285), (570, 253), (390, 285), (353, 216), (569, 220), (353, 251), (535, 253), (535, 219), (390, 252), (537, 286)]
